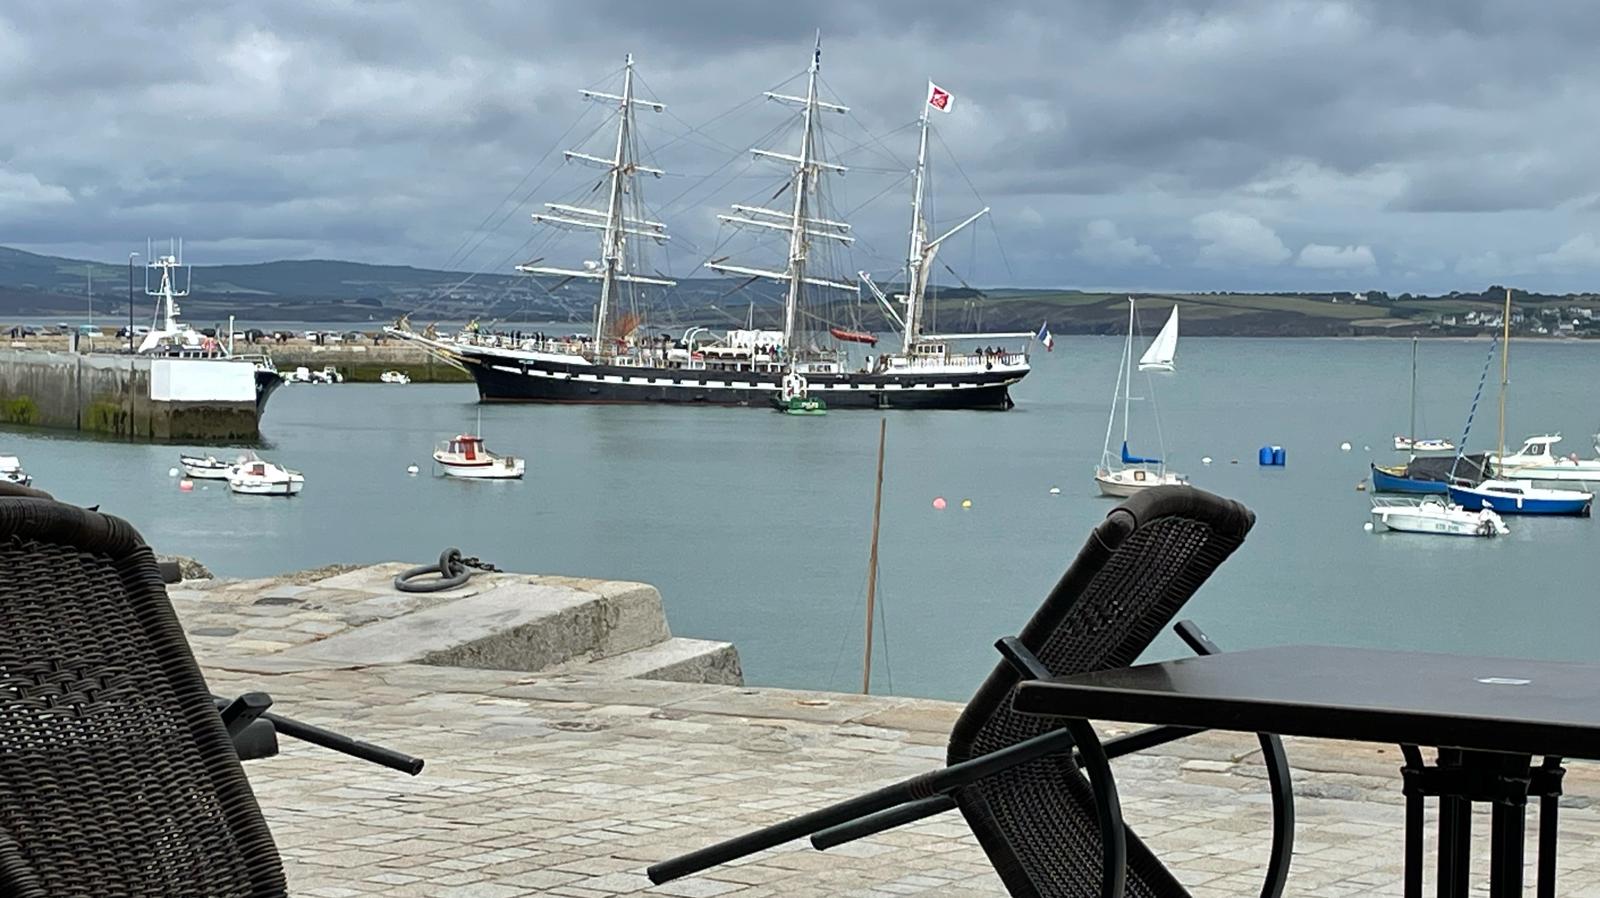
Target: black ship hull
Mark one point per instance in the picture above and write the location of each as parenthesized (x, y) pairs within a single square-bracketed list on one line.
[(266, 383), (515, 379)]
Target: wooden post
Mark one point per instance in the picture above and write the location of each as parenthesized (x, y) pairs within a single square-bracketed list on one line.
[(872, 560)]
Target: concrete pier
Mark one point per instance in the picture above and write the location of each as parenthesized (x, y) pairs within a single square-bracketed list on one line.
[(131, 397)]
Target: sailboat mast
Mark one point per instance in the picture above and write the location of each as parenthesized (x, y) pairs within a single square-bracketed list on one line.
[(872, 560), (1412, 432), (914, 257), (797, 222), (1127, 387), (611, 240), (1505, 376)]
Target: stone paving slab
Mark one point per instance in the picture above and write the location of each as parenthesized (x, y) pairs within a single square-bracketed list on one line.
[(563, 783), (570, 786)]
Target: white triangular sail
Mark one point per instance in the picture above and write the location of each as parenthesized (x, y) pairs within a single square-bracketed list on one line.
[(1164, 348)]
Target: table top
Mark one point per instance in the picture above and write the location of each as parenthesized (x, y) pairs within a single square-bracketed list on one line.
[(1367, 695)]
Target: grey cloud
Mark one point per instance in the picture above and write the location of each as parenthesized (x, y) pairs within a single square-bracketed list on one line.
[(386, 131)]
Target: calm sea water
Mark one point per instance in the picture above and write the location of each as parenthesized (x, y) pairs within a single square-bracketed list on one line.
[(755, 525)]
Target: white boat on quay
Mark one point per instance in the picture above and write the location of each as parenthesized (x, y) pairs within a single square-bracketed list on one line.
[(1432, 514), (258, 477), (465, 456)]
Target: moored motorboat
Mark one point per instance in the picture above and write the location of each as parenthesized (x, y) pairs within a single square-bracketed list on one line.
[(205, 468), (795, 398), (258, 477), (1538, 461), (1522, 497), (1434, 515), (394, 377), (465, 456), (11, 471), (1424, 447)]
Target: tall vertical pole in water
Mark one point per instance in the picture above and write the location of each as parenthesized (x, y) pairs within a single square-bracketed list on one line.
[(872, 560), (1505, 378)]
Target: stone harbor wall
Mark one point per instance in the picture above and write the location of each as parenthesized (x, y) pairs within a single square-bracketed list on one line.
[(121, 396), (501, 621)]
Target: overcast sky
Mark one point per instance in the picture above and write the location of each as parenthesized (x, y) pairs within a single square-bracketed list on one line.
[(1417, 146)]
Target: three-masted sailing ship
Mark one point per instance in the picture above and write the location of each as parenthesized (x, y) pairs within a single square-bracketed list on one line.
[(619, 362)]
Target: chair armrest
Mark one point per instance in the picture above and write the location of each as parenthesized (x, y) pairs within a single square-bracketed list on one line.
[(1024, 662)]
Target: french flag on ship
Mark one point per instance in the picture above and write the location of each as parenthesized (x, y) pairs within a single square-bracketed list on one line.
[(1043, 336)]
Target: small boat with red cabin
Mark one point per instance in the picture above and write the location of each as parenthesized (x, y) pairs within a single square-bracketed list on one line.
[(465, 456)]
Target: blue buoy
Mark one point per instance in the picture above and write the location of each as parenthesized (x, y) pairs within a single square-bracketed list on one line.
[(1265, 455), (1271, 456), (1278, 456)]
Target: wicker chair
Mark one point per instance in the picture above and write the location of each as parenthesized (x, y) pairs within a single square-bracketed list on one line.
[(117, 774), (1050, 831)]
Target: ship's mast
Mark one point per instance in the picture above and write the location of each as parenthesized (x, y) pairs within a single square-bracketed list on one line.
[(613, 222), (919, 258), (1127, 384), (914, 258), (611, 240), (804, 183), (798, 222)]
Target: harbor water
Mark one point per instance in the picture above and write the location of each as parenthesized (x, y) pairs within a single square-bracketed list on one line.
[(755, 525)]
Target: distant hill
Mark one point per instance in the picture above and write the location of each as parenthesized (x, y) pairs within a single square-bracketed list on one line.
[(34, 286)]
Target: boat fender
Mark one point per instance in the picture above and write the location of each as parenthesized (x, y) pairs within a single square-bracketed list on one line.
[(988, 366), (453, 570)]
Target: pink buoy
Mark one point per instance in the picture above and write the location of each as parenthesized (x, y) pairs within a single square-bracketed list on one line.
[(186, 485), (938, 503)]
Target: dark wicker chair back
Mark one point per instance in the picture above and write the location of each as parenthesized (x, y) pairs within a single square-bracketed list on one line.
[(117, 776), (1038, 821)]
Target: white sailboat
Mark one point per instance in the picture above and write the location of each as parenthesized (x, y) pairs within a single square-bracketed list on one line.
[(1164, 348), (1410, 443), (1127, 474)]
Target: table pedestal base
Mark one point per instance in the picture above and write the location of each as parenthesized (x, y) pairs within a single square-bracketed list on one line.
[(1505, 782)]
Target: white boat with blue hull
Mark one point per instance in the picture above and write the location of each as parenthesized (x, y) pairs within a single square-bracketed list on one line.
[(1502, 493), (1522, 497)]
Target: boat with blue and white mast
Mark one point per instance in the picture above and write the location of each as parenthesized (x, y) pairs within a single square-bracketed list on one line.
[(1516, 496), (1127, 474)]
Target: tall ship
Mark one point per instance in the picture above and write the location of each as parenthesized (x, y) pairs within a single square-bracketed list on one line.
[(172, 339), (807, 347)]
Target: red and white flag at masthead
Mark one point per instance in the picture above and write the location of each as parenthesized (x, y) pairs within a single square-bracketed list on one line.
[(939, 98)]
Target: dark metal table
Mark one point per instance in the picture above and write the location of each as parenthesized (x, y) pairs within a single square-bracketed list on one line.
[(1487, 716)]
